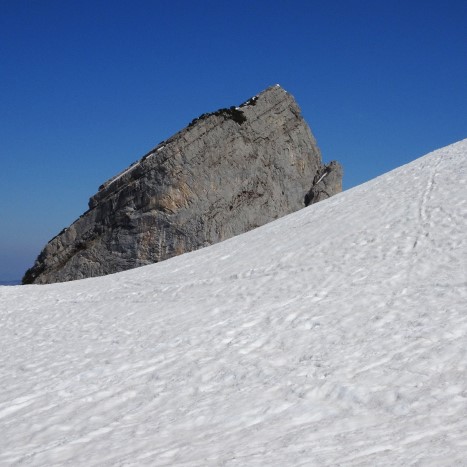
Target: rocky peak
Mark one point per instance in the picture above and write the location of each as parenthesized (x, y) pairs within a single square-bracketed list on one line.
[(227, 172)]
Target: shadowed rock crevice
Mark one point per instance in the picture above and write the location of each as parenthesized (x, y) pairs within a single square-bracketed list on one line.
[(327, 182), (229, 171)]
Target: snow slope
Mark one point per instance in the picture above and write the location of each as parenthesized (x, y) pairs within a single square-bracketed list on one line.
[(333, 336)]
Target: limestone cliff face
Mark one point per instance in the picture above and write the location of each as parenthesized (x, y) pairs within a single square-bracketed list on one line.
[(226, 173)]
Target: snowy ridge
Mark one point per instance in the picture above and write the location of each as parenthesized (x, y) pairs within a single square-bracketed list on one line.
[(333, 336)]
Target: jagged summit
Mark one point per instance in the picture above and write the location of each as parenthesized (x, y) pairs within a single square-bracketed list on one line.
[(227, 172)]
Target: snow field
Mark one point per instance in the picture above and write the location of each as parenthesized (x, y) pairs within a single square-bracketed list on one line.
[(333, 336)]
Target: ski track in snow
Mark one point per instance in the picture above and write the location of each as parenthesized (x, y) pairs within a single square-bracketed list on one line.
[(333, 336)]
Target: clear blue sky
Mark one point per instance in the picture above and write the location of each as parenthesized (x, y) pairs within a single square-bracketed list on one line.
[(88, 87)]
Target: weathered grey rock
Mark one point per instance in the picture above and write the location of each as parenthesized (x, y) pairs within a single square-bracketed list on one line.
[(327, 182), (226, 173)]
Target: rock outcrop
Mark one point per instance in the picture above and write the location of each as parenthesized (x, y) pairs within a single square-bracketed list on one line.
[(327, 182), (226, 173)]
